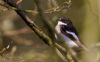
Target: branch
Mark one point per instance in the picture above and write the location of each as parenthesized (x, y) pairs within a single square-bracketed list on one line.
[(59, 8), (64, 5)]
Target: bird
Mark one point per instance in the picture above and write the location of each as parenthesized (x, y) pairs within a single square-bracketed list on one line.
[(68, 32)]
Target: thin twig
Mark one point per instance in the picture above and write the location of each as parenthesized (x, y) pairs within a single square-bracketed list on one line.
[(64, 5), (60, 55)]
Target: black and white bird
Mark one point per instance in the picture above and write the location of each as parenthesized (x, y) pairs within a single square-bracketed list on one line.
[(67, 31)]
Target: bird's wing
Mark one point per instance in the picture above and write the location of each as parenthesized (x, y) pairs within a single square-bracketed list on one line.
[(73, 34), (70, 32)]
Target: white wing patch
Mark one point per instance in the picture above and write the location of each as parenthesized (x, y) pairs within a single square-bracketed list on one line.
[(73, 34)]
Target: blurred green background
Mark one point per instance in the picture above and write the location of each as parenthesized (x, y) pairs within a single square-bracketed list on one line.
[(29, 48)]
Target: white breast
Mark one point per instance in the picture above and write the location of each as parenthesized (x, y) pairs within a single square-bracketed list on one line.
[(58, 29), (58, 26)]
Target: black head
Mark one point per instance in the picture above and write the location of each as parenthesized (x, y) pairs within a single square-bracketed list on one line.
[(65, 20)]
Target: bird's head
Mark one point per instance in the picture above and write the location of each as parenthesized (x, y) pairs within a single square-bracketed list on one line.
[(64, 21)]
